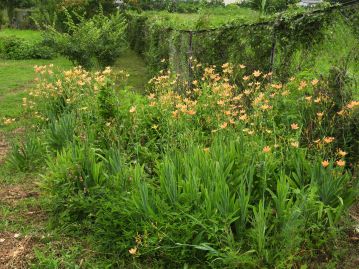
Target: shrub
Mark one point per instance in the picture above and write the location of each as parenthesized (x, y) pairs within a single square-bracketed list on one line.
[(189, 6), (16, 48), (94, 42)]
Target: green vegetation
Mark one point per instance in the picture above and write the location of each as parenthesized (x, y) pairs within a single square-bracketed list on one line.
[(96, 42), (23, 44), (28, 35), (242, 150), (205, 18), (133, 64), (222, 175), (283, 44), (16, 77)]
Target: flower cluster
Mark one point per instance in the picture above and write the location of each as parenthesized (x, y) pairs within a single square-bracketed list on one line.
[(254, 105)]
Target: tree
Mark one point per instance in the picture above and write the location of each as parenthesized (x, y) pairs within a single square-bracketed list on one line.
[(10, 5)]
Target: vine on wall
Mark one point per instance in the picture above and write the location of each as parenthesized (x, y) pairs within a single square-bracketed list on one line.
[(268, 46)]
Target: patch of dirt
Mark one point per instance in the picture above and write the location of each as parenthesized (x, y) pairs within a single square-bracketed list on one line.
[(4, 148), (15, 250), (19, 131), (354, 212), (13, 193), (352, 259)]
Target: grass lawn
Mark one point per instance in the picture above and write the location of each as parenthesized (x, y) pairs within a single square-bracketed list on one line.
[(205, 18), (15, 78), (136, 68), (25, 34)]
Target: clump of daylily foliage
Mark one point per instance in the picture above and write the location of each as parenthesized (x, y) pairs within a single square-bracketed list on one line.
[(233, 170)]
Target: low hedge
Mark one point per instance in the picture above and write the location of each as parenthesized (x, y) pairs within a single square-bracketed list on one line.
[(15, 48)]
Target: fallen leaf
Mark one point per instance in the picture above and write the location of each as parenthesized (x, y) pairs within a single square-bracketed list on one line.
[(17, 235)]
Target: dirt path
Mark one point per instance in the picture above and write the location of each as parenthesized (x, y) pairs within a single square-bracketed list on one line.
[(19, 213), (4, 148)]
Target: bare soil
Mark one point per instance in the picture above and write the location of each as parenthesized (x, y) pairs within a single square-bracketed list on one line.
[(16, 250), (4, 148), (352, 259)]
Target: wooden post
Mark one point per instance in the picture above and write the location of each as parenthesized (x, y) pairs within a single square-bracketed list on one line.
[(190, 54), (272, 55)]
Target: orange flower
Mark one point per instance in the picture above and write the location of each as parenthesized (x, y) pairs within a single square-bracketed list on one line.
[(266, 149), (342, 153), (325, 163), (353, 104), (294, 126), (315, 82), (247, 92), (277, 86), (226, 65), (341, 163), (133, 251), (133, 109), (320, 115), (237, 98), (242, 66), (328, 140), (175, 114), (224, 125), (191, 112), (302, 85), (257, 73), (285, 93), (243, 117), (245, 78), (265, 107), (295, 144), (8, 121)]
